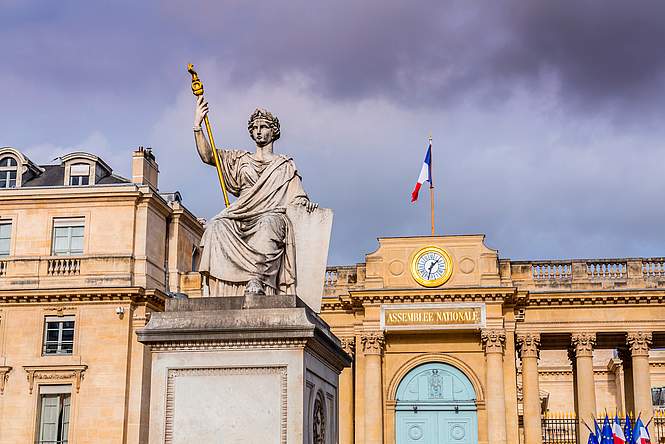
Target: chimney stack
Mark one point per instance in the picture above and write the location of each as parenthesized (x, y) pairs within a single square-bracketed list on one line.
[(144, 167)]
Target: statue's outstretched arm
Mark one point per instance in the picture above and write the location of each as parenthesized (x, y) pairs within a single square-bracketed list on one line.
[(202, 145)]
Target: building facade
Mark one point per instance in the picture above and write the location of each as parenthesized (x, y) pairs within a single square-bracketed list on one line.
[(453, 344), (85, 257)]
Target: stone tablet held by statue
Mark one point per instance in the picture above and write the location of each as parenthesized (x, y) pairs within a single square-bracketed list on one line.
[(272, 239)]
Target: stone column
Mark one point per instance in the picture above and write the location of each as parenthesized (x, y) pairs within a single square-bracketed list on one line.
[(493, 342), (582, 344), (373, 344), (639, 343), (346, 399), (529, 344)]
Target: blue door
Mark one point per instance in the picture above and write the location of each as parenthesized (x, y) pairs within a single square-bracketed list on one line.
[(436, 404)]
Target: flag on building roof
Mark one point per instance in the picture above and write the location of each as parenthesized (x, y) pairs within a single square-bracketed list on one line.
[(617, 432), (425, 173)]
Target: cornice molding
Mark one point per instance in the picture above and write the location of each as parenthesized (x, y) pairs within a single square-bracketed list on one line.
[(154, 297), (73, 373)]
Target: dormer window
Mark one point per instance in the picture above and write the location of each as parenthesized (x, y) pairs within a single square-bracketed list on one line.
[(79, 174), (8, 172)]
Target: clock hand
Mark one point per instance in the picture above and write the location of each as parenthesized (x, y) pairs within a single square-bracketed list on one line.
[(429, 269)]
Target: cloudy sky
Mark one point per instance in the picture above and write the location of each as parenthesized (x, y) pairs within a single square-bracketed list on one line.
[(548, 117)]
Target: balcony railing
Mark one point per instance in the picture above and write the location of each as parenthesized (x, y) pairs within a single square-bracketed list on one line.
[(50, 271), (63, 267)]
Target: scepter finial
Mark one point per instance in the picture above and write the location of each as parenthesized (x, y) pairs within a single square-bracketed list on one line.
[(197, 85)]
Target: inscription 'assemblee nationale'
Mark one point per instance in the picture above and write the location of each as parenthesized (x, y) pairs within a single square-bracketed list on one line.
[(433, 316)]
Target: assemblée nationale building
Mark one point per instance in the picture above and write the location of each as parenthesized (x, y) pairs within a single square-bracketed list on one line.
[(452, 343)]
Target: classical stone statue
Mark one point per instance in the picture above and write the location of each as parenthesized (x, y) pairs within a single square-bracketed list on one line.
[(249, 247)]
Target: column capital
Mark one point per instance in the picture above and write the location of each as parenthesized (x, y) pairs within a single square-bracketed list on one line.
[(373, 343), (349, 345), (494, 340), (639, 342), (529, 344), (583, 343)]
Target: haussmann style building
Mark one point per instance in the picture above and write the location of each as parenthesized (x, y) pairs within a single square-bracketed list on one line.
[(85, 257)]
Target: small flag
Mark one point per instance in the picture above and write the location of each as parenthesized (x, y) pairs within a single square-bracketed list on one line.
[(617, 432), (628, 430), (640, 433), (593, 439), (425, 173), (606, 436), (597, 427)]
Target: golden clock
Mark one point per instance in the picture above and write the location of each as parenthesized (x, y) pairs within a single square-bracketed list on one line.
[(431, 266)]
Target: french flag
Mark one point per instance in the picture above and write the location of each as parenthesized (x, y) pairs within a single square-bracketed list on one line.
[(425, 173), (640, 433), (617, 432)]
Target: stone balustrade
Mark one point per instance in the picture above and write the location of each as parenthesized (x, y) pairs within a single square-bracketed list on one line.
[(63, 266), (72, 271), (653, 266), (588, 273), (577, 274), (557, 270)]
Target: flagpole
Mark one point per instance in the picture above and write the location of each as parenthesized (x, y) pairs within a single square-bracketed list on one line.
[(431, 187)]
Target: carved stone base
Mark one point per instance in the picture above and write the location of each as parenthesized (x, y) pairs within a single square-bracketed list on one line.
[(243, 369)]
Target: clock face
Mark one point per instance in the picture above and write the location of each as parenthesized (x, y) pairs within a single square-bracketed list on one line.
[(431, 266)]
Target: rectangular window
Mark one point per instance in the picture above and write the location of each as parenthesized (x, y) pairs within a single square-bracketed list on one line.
[(8, 179), (58, 335), (5, 238), (68, 237), (79, 174), (54, 406), (79, 180)]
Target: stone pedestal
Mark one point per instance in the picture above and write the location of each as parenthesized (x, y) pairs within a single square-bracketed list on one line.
[(239, 370)]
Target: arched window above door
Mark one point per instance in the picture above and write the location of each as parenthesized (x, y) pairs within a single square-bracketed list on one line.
[(435, 382)]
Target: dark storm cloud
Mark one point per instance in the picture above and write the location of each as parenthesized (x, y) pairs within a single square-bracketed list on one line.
[(546, 114), (601, 52)]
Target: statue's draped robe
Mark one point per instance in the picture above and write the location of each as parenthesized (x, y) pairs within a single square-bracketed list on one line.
[(253, 238)]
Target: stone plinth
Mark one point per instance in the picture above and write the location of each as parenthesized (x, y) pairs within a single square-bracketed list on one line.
[(237, 370)]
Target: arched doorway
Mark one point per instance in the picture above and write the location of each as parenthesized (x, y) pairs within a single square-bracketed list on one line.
[(436, 404)]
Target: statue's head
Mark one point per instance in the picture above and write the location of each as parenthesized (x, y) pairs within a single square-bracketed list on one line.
[(263, 127)]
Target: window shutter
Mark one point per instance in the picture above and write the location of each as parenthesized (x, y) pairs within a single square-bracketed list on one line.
[(48, 419), (65, 417)]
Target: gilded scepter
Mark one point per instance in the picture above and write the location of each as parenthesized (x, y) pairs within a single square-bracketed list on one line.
[(197, 90)]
